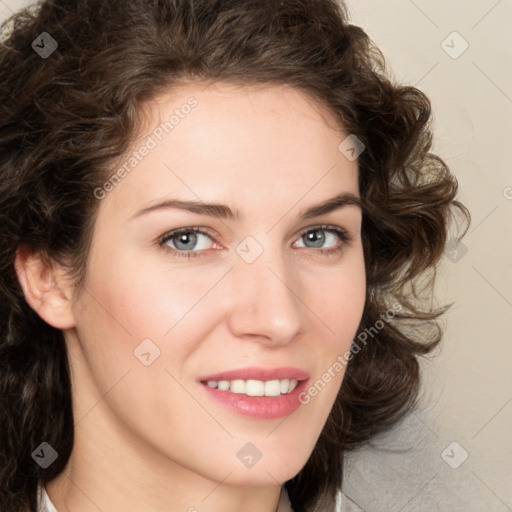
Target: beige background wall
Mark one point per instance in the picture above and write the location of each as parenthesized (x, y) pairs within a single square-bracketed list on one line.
[(468, 387)]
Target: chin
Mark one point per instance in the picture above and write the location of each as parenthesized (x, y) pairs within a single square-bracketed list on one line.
[(275, 465), (265, 476)]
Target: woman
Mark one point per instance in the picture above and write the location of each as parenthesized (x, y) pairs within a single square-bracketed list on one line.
[(216, 215)]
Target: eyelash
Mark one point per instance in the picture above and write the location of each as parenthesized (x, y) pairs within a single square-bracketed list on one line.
[(341, 233)]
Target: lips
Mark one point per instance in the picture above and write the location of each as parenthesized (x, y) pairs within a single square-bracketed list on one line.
[(255, 373), (257, 392)]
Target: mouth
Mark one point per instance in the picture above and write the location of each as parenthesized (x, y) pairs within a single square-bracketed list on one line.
[(257, 392), (252, 387)]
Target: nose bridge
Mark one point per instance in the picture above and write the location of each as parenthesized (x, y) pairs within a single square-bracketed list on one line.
[(265, 300)]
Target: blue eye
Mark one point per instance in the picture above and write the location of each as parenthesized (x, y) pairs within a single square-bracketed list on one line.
[(193, 241), (320, 235), (185, 240)]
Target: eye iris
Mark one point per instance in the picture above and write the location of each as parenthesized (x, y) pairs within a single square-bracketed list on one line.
[(184, 241), (184, 238), (317, 240)]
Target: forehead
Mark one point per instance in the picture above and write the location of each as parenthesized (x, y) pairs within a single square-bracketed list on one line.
[(237, 144)]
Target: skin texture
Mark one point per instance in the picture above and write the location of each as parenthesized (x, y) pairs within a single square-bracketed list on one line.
[(149, 437)]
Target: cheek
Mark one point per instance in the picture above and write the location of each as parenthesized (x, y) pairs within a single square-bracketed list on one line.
[(149, 299), (126, 304), (339, 299), (339, 305)]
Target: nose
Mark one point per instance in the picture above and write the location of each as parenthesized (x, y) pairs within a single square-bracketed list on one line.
[(265, 304)]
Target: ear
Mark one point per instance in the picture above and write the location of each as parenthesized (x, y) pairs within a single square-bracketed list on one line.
[(46, 286)]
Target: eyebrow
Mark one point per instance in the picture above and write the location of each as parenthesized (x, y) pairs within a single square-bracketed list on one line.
[(225, 212)]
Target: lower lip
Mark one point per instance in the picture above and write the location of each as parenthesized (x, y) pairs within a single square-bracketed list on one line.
[(260, 407)]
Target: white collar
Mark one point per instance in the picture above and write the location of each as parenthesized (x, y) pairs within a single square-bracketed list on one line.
[(284, 504), (44, 503)]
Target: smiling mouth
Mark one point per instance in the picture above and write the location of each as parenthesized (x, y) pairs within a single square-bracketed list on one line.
[(257, 392), (250, 387)]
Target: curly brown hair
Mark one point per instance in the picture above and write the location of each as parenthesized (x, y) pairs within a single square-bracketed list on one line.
[(65, 119)]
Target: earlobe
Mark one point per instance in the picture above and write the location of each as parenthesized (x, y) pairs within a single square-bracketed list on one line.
[(46, 287)]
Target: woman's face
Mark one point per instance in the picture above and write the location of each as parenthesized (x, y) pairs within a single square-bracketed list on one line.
[(175, 332)]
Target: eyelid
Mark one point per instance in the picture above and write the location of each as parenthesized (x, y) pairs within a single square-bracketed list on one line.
[(342, 232)]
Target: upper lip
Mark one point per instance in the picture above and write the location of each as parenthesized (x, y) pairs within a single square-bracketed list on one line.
[(259, 373)]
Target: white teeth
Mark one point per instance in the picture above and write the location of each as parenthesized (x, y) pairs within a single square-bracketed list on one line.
[(284, 386), (253, 387), (223, 385), (272, 388), (237, 386)]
